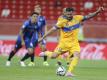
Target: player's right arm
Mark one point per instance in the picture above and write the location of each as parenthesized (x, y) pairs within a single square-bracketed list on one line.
[(21, 34), (53, 29), (22, 31)]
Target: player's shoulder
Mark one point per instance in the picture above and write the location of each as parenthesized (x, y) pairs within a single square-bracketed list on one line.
[(27, 22), (41, 18), (61, 18)]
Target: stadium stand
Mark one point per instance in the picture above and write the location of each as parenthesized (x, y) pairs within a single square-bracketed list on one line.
[(21, 9)]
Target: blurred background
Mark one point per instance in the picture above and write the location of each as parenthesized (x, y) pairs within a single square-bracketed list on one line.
[(92, 36)]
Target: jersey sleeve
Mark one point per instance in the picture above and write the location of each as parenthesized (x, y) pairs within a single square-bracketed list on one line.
[(79, 17), (59, 23), (24, 25)]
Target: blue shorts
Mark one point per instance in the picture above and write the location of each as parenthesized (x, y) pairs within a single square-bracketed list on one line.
[(31, 42)]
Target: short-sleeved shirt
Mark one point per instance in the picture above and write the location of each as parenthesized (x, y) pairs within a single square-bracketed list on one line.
[(65, 26)]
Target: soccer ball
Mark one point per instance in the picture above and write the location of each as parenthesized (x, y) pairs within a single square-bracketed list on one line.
[(60, 71)]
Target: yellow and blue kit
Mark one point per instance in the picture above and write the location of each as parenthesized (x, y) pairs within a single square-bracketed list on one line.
[(68, 41)]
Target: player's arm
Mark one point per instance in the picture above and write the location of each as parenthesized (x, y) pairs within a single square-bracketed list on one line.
[(91, 15), (21, 34), (53, 29)]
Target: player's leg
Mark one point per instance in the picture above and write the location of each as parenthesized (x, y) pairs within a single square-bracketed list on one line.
[(60, 57), (29, 48), (13, 52), (34, 42), (72, 64), (27, 55), (30, 45), (32, 59), (32, 56), (69, 59), (75, 51), (58, 50), (43, 49), (49, 54)]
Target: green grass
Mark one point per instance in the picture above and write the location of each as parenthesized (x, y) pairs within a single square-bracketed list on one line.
[(86, 70)]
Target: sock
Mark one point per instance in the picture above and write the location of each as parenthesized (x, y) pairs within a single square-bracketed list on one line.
[(25, 57), (73, 63), (59, 63), (32, 57), (69, 59), (11, 55), (45, 58)]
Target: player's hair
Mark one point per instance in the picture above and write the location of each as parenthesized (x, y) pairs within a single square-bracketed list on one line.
[(68, 9), (34, 13), (37, 5)]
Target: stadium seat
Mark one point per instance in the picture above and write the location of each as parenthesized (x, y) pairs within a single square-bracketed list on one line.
[(22, 8)]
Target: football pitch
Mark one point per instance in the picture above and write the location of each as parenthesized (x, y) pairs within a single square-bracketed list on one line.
[(86, 70)]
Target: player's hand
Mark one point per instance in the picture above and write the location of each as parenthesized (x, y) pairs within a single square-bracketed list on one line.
[(100, 9)]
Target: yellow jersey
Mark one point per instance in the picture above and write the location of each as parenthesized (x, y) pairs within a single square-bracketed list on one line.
[(65, 26)]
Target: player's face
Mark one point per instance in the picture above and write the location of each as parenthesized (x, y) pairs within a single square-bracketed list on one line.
[(37, 9), (34, 18), (69, 14)]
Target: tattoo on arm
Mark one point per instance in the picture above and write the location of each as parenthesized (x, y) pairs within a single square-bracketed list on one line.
[(91, 15)]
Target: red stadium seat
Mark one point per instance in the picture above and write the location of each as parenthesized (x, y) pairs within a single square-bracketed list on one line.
[(23, 8)]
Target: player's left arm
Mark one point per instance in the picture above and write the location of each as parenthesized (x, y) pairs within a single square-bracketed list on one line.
[(91, 15)]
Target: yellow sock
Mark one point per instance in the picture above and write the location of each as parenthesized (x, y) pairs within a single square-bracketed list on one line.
[(49, 54), (73, 63)]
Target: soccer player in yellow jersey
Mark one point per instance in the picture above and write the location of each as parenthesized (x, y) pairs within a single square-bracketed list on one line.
[(69, 24)]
